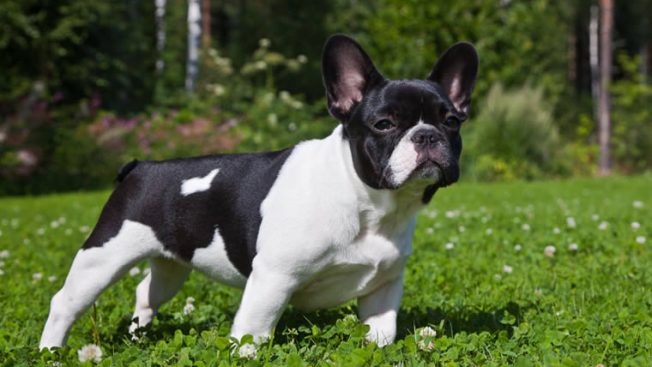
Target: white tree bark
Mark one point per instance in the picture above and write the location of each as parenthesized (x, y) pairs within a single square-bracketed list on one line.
[(593, 59), (194, 34), (604, 122), (160, 34)]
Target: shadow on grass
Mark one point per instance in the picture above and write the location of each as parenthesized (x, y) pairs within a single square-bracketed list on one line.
[(165, 327), (466, 320)]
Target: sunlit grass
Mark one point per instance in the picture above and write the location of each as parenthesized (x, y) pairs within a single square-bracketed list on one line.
[(545, 273)]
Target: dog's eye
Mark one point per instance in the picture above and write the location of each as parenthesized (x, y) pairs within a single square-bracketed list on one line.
[(452, 122), (384, 125)]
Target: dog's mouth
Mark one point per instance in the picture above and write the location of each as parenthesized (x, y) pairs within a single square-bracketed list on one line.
[(429, 169)]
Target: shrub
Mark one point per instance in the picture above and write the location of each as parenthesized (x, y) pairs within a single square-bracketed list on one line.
[(631, 118), (513, 137)]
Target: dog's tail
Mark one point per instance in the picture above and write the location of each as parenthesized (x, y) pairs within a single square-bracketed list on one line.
[(124, 171)]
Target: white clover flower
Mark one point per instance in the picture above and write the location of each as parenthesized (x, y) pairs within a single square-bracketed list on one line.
[(640, 239), (595, 217), (451, 214), (549, 251), (61, 220), (134, 271), (507, 269), (248, 351), (637, 204), (2, 272), (190, 300), (426, 333), (489, 231), (26, 241), (54, 224), (449, 246), (570, 222), (264, 42), (517, 247), (430, 230), (302, 59), (90, 352), (4, 254), (525, 227), (461, 229), (538, 292), (84, 229), (573, 247), (40, 231), (636, 225), (68, 231), (556, 230), (603, 226), (52, 278), (188, 308), (37, 276)]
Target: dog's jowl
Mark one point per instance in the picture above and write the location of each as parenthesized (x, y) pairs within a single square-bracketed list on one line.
[(314, 225)]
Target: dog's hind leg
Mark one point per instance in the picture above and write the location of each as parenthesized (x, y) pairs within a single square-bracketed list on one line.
[(159, 286), (94, 268)]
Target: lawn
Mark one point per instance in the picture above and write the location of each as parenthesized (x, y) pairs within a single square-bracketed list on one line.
[(544, 273)]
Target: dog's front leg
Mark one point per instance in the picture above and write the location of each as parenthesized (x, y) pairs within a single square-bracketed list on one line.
[(379, 308), (265, 297)]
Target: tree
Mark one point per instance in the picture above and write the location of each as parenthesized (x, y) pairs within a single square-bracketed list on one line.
[(194, 33), (604, 124)]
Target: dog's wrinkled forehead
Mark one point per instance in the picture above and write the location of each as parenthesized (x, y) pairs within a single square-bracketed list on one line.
[(409, 101)]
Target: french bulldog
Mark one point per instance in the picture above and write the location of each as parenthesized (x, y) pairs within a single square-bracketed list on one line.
[(314, 225)]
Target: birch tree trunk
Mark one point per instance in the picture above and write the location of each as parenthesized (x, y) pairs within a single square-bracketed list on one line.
[(194, 34), (160, 34), (604, 128), (594, 58)]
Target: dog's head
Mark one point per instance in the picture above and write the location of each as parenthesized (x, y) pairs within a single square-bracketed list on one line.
[(400, 130)]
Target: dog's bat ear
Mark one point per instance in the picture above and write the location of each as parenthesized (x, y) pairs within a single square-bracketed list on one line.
[(455, 72), (348, 73)]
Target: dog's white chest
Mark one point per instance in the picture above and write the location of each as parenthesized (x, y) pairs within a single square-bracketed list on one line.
[(354, 270)]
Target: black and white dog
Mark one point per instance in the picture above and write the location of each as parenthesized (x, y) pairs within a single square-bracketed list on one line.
[(314, 225)]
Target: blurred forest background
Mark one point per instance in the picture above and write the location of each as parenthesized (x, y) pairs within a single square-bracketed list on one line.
[(88, 85)]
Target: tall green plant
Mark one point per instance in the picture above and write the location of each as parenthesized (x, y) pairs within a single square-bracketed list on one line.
[(513, 137), (632, 118)]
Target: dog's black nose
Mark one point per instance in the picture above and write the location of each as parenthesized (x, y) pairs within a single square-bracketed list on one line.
[(424, 137)]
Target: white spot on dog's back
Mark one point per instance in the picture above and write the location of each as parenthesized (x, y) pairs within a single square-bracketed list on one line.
[(214, 262), (198, 184)]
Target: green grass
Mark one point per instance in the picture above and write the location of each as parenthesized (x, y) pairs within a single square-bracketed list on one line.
[(578, 308)]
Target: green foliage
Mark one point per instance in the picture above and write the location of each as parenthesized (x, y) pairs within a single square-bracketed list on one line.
[(68, 66), (513, 136), (517, 41), (491, 303), (632, 117), (76, 50)]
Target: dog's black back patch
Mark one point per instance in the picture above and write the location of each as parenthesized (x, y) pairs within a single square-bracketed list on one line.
[(151, 194)]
